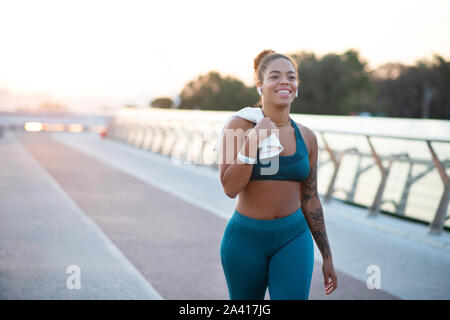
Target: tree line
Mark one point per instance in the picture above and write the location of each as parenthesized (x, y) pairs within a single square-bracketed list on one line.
[(336, 84)]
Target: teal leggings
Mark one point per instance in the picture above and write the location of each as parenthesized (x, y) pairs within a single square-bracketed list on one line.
[(257, 254)]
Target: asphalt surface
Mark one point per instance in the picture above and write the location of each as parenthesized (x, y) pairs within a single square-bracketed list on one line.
[(163, 244), (46, 240)]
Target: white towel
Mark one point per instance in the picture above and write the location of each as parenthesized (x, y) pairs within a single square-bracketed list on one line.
[(269, 147)]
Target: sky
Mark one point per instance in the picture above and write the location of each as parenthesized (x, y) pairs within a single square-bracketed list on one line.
[(92, 55)]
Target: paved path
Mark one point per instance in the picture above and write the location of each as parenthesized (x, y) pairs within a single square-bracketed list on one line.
[(152, 229), (43, 232)]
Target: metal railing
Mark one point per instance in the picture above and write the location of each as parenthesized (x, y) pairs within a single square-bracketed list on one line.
[(188, 136), (336, 157)]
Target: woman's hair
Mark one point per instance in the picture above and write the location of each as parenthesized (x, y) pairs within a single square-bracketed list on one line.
[(261, 62), (263, 59)]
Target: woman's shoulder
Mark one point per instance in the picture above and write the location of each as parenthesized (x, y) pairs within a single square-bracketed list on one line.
[(236, 122), (305, 130), (308, 136)]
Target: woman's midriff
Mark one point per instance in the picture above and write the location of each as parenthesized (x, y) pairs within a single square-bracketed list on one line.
[(269, 199)]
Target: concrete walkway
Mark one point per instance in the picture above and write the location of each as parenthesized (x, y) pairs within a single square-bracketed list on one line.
[(46, 240), (167, 220)]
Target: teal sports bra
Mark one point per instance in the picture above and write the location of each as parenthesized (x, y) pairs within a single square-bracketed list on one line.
[(294, 167)]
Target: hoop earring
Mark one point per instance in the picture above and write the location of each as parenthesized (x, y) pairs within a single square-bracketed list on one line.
[(296, 93), (260, 91)]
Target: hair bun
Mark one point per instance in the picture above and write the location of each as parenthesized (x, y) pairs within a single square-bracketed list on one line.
[(260, 57)]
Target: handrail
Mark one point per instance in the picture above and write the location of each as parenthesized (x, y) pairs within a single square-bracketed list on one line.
[(188, 136)]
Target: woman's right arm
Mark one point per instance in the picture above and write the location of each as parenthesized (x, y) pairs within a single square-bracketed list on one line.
[(234, 174)]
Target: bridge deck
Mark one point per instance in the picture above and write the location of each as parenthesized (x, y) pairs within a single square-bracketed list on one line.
[(141, 227)]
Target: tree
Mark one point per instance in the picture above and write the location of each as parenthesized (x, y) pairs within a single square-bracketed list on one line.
[(334, 84), (420, 91), (162, 103), (214, 92), (51, 106), (440, 85), (340, 84)]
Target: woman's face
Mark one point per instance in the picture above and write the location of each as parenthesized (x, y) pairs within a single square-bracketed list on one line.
[(280, 82)]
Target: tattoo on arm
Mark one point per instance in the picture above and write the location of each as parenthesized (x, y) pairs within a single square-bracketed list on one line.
[(312, 209), (309, 186), (317, 227)]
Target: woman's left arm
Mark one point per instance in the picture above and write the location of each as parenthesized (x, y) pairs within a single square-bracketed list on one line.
[(312, 209)]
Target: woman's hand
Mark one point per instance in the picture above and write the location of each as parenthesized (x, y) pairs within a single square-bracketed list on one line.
[(329, 276), (263, 129)]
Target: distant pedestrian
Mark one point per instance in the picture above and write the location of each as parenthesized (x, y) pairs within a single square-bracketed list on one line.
[(267, 241)]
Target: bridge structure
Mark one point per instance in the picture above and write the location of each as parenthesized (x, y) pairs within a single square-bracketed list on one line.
[(84, 215)]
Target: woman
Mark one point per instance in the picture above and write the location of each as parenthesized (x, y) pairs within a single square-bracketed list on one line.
[(267, 242)]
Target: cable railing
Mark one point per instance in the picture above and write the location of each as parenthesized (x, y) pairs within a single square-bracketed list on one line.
[(380, 171)]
